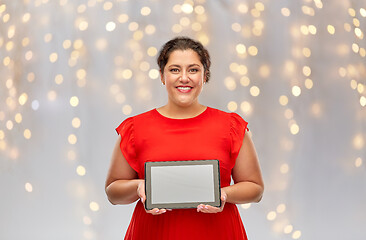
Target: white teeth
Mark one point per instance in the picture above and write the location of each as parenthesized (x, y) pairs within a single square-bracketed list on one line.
[(184, 88)]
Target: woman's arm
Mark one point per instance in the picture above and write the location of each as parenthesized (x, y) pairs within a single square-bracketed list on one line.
[(248, 183), (121, 183)]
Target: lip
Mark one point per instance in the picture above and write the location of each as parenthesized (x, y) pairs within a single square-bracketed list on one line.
[(184, 89)]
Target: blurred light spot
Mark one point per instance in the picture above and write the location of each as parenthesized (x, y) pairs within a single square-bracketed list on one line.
[(51, 95), (28, 55), (351, 12), (35, 105), (25, 42), (59, 79), (243, 8), (87, 220), (241, 49), (133, 26), (28, 187), (123, 18), (177, 28), (199, 10), (80, 73), (285, 12), (80, 170), (76, 122), (177, 9), (187, 8), (184, 21), (2, 135), (196, 27), (281, 208), (110, 26), (254, 91), (271, 215), (296, 91), (296, 235), (150, 29), (94, 206), (312, 29), (347, 27), (356, 22), (23, 99), (284, 168), (246, 107), (72, 139), (316, 110), (363, 101), (53, 57), (27, 134), (66, 44), (145, 11), (288, 229), (236, 27), (308, 83), (342, 72), (244, 81), (83, 25), (71, 155), (101, 44), (283, 100), (154, 74), (81, 8), (204, 39), (230, 83), (152, 51), (252, 50), (74, 101), (306, 52), (363, 12), (232, 106), (306, 70), (331, 29), (358, 162), (2, 145), (245, 205), (127, 109), (14, 153), (358, 141), (264, 71), (294, 128), (120, 98), (355, 47), (360, 88)]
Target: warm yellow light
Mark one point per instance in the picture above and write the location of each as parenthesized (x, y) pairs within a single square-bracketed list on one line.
[(199, 10), (27, 134), (66, 44), (309, 83), (356, 22), (9, 46), (87, 220), (244, 81), (253, 50), (196, 27), (243, 8), (31, 76), (2, 135), (127, 109), (81, 8), (271, 216), (150, 29), (23, 99), (281, 208), (294, 128), (246, 107), (145, 11), (342, 72), (120, 98), (288, 229), (360, 88), (355, 47), (232, 106), (152, 51), (83, 25), (2, 8), (110, 26), (362, 52), (74, 101), (358, 162), (127, 74), (304, 29), (331, 29), (242, 69), (187, 8), (72, 139), (177, 8), (240, 48), (308, 10), (318, 3), (285, 12), (254, 91), (359, 33), (51, 95), (80, 170), (11, 31), (76, 122), (25, 42), (230, 83), (296, 91), (78, 43), (177, 28), (53, 57), (122, 18), (6, 18), (204, 39), (363, 101), (306, 70), (306, 52), (236, 27), (18, 118), (296, 235), (283, 100), (255, 13), (351, 12), (284, 168), (59, 79), (363, 12), (312, 29), (28, 187), (358, 141), (94, 206)]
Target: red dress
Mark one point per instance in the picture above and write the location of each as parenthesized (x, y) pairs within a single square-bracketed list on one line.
[(213, 134)]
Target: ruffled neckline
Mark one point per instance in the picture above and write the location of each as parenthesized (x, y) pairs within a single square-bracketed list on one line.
[(202, 114)]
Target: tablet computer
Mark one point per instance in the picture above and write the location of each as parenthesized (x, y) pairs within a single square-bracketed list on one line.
[(182, 184)]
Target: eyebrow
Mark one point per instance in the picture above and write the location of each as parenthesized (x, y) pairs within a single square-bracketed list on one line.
[(191, 65)]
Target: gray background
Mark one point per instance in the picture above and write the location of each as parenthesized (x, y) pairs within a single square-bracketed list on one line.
[(314, 180)]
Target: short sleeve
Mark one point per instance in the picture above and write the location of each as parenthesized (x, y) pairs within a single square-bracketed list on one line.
[(238, 126), (127, 145)]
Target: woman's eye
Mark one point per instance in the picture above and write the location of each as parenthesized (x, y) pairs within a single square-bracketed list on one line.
[(193, 70), (174, 70)]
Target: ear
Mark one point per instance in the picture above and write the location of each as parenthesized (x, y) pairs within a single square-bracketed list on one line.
[(162, 77)]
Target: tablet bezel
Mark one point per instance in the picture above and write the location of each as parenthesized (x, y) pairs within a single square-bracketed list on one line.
[(180, 205)]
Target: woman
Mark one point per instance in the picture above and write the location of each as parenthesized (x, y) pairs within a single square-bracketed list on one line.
[(183, 129)]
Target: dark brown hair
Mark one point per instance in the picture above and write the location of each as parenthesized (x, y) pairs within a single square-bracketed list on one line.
[(184, 43)]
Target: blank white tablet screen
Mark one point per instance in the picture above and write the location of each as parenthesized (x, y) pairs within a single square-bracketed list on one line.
[(182, 184)]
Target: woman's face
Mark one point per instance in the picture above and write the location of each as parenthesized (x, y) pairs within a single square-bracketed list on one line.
[(183, 77)]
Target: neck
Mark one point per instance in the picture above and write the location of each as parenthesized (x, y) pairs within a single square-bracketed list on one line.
[(181, 112)]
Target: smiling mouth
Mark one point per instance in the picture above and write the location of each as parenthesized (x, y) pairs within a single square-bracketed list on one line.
[(184, 89)]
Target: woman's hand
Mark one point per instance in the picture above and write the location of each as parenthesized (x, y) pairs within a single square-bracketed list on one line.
[(142, 196), (210, 209)]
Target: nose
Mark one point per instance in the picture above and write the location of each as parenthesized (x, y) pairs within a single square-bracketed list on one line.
[(184, 77)]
